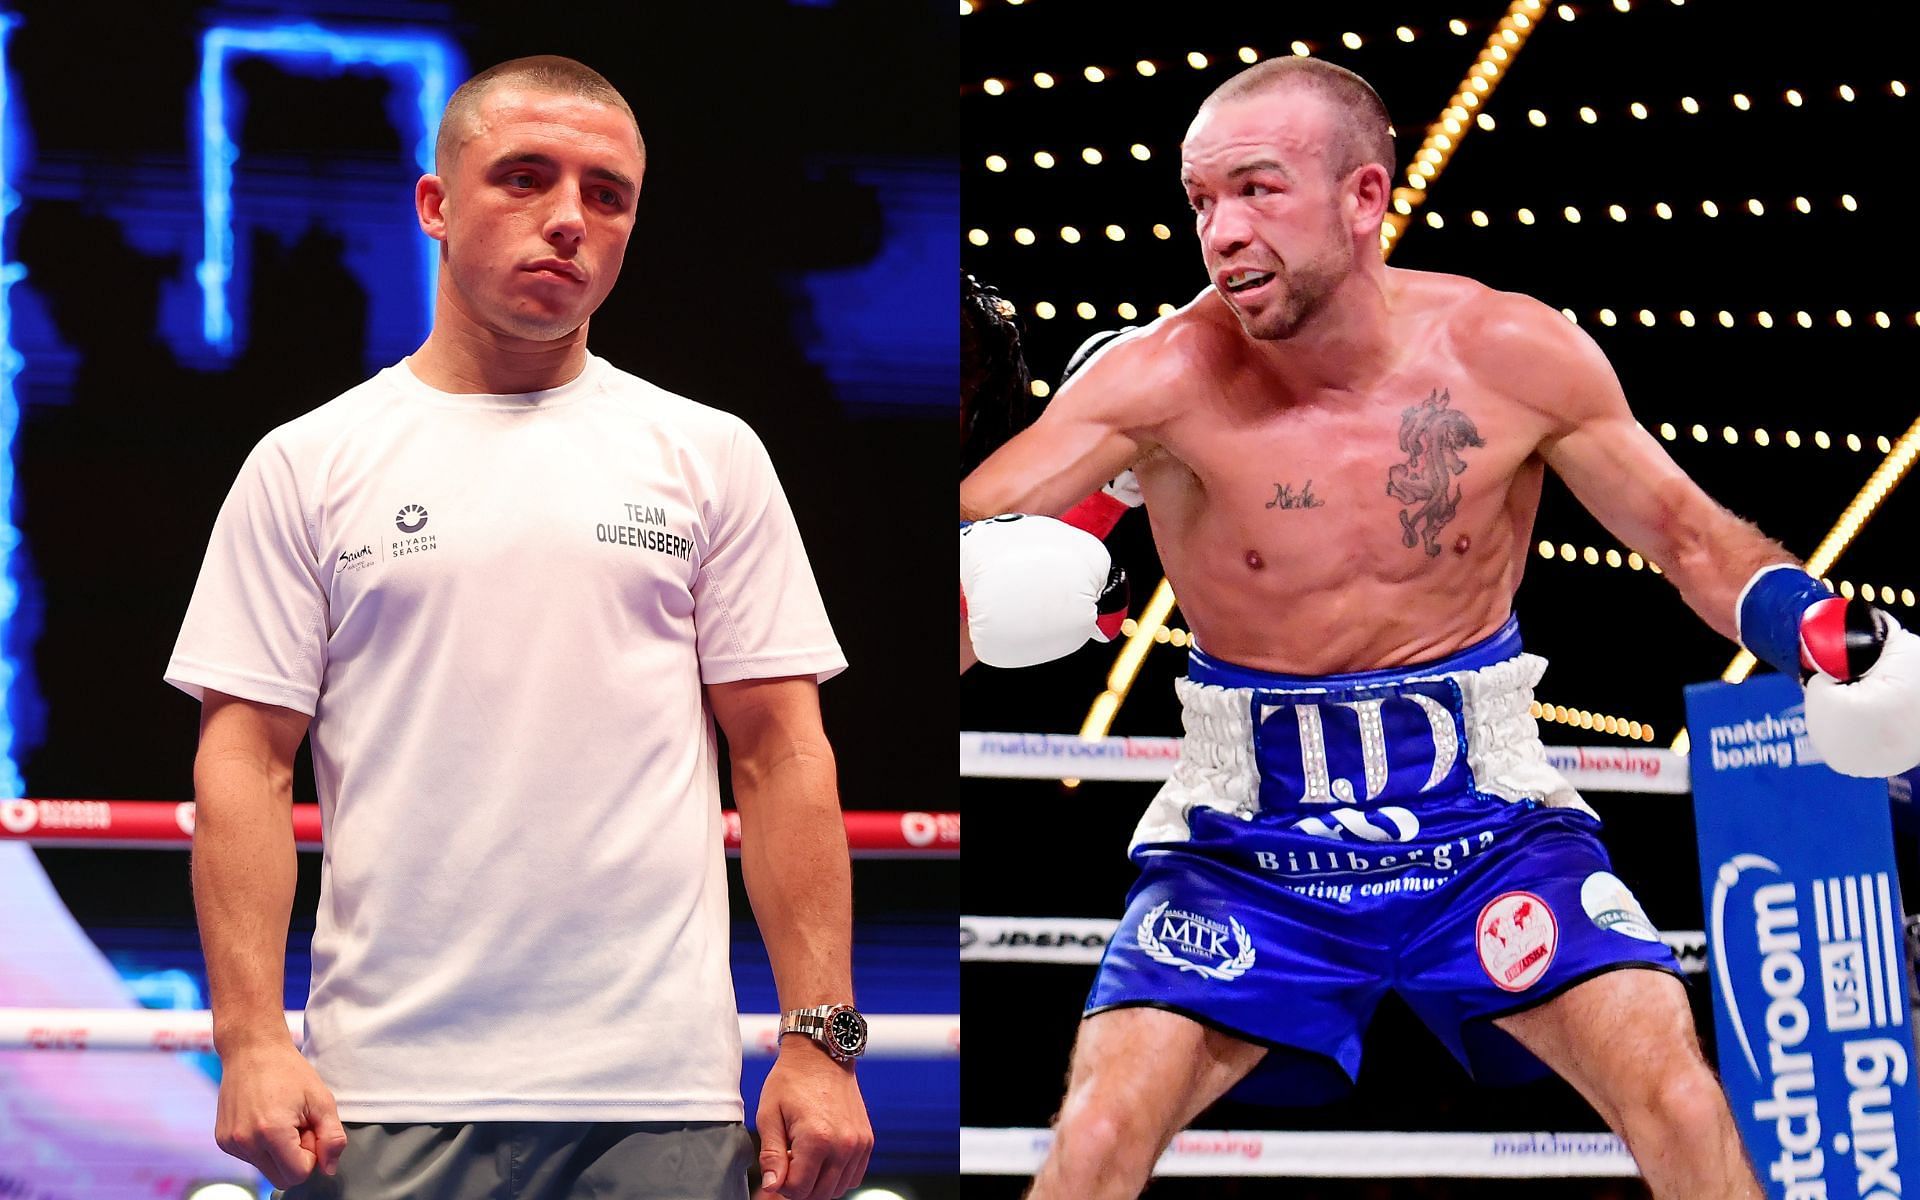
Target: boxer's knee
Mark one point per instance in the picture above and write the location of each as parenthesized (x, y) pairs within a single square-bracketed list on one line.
[(1100, 1141), (1680, 1099)]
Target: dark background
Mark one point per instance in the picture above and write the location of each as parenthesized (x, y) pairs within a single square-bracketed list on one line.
[(1620, 641), (800, 177)]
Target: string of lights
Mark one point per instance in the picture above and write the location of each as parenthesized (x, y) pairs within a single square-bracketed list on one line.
[(1093, 156), (1568, 12), (1763, 318), (1477, 218), (1593, 556), (1567, 552), (1087, 310), (1069, 234), (1791, 438), (1690, 106), (1201, 60), (1560, 714), (1165, 635), (1846, 93), (1572, 214), (1458, 27), (1197, 60)]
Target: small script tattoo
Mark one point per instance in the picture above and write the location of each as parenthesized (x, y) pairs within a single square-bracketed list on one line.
[(1432, 436), (1285, 497)]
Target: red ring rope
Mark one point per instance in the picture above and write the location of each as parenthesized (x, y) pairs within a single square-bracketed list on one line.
[(161, 824)]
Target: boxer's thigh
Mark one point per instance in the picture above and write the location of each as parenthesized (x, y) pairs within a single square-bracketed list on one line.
[(1615, 1037), (1159, 1067)]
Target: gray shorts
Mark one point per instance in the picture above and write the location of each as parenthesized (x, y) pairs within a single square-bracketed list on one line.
[(540, 1160)]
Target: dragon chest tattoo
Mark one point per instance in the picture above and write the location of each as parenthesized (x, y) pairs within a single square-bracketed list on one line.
[(1432, 436)]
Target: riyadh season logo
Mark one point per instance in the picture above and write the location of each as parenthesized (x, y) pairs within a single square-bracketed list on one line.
[(410, 521), (1164, 936)]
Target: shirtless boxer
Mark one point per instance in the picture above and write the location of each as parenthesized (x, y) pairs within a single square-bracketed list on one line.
[(1342, 464)]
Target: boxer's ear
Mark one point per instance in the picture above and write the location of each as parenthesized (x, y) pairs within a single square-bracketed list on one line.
[(430, 206)]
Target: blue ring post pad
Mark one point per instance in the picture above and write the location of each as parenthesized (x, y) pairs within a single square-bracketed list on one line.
[(1770, 616)]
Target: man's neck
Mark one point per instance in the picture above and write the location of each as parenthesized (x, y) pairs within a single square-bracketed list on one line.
[(466, 361), (1348, 345)]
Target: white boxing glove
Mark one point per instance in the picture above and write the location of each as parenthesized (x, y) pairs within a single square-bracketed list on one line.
[(1035, 589), (1871, 726)]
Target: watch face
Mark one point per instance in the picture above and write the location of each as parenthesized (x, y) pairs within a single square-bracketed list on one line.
[(848, 1032)]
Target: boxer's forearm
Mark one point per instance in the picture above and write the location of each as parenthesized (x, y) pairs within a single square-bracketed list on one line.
[(793, 855), (243, 882), (1710, 554), (1626, 479)]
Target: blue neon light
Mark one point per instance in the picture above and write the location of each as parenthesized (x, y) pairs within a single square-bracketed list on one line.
[(10, 274), (430, 59)]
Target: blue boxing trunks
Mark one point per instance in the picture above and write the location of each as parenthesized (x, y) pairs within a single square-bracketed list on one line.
[(1326, 840)]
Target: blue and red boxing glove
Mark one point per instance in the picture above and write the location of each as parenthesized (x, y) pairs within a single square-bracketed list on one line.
[(1861, 668)]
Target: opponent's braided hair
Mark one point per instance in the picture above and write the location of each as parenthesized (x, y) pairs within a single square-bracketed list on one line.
[(996, 401)]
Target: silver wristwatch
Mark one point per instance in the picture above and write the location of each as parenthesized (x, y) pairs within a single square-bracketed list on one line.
[(839, 1028)]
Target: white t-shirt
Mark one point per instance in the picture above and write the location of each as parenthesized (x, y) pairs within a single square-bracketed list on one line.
[(499, 611)]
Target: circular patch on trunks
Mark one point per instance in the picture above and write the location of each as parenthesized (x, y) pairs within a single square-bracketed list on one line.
[(1517, 936)]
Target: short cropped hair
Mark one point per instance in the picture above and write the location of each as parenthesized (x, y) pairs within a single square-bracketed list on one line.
[(1363, 132), (541, 73)]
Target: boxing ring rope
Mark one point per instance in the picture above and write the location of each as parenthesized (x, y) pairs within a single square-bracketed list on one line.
[(1268, 1153), (890, 1035), (1394, 1154), (166, 825), (1082, 940)]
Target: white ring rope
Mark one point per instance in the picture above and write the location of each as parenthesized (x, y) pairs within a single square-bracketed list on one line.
[(1069, 756), (1342, 1155), (890, 1035)]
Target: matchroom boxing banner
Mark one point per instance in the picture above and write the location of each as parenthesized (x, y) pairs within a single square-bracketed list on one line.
[(1804, 942)]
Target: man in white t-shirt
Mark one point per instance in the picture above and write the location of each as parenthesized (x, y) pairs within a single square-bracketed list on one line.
[(508, 590)]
